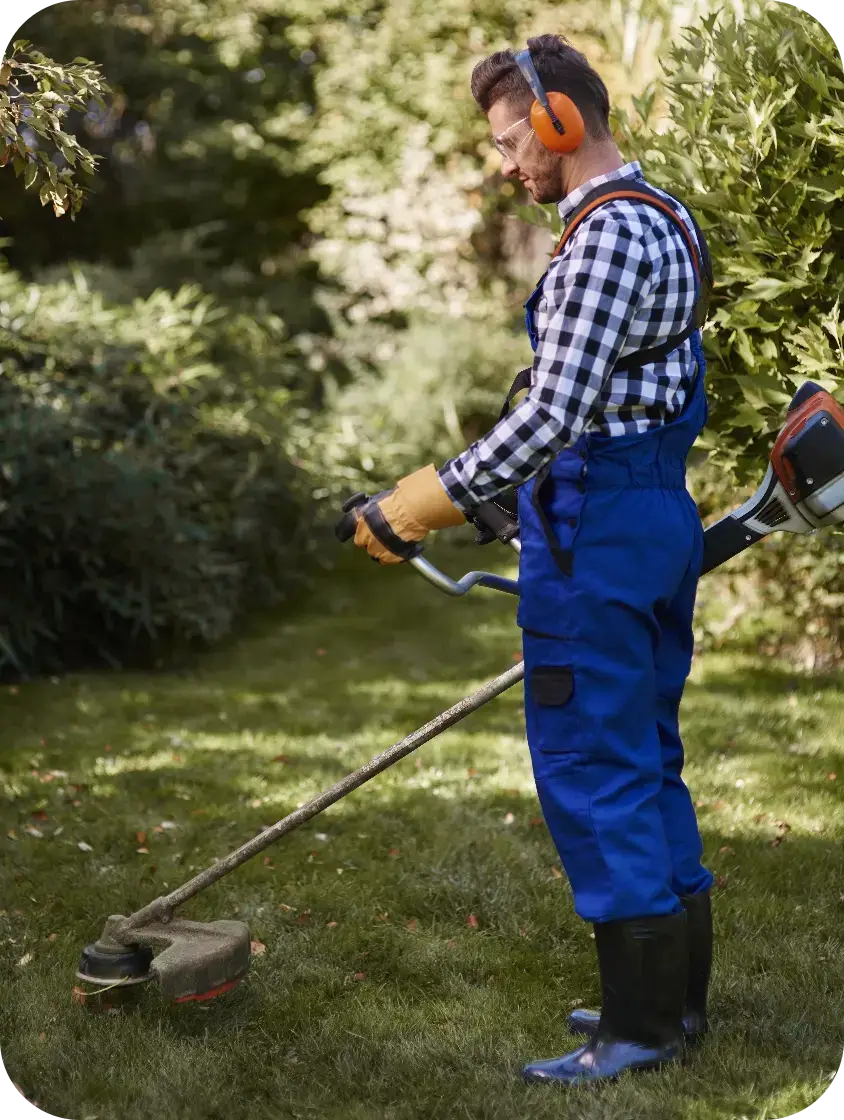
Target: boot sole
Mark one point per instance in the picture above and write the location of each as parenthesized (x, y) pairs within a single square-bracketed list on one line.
[(607, 1079)]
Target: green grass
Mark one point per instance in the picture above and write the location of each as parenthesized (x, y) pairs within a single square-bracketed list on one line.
[(446, 1013)]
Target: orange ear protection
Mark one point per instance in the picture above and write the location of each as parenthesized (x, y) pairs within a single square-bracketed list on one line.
[(554, 117)]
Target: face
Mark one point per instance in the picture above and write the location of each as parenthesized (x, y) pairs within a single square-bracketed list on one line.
[(523, 156)]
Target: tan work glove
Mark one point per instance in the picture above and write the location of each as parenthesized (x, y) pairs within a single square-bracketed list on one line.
[(404, 515)]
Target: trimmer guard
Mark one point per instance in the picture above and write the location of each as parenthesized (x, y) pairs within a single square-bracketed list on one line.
[(199, 959)]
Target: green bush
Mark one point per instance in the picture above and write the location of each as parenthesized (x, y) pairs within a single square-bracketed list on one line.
[(144, 496), (753, 142)]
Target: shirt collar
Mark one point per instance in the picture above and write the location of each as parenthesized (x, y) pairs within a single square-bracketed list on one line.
[(571, 201)]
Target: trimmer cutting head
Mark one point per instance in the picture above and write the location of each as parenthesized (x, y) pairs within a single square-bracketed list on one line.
[(200, 960)]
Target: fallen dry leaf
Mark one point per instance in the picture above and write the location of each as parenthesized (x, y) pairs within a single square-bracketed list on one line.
[(471, 772), (158, 829), (284, 906), (31, 830), (472, 922), (40, 815), (76, 803), (25, 959), (412, 924), (517, 656), (256, 803), (12, 834), (523, 932), (83, 847), (509, 818), (52, 937), (305, 916), (534, 821), (320, 653), (393, 852), (360, 976), (721, 881), (78, 995), (556, 872), (726, 851), (142, 851), (176, 757), (831, 777), (141, 837), (42, 1035), (719, 805), (382, 917), (281, 758), (268, 862), (258, 948), (108, 746), (331, 925)]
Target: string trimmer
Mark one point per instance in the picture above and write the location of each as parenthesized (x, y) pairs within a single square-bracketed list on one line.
[(803, 490)]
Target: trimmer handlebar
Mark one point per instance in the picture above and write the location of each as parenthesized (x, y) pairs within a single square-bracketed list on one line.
[(487, 518)]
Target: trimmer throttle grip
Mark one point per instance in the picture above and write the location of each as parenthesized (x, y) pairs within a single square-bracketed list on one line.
[(495, 521)]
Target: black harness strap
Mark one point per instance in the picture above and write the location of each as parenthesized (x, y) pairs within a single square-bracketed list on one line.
[(563, 557), (520, 381)]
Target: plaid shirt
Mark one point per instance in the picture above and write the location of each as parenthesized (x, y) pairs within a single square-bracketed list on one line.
[(624, 282)]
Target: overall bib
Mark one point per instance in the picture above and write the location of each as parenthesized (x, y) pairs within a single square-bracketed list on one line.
[(612, 548)]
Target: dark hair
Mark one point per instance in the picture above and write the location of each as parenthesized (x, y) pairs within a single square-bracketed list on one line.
[(561, 68)]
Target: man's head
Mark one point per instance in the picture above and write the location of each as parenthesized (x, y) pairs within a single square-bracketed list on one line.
[(502, 92)]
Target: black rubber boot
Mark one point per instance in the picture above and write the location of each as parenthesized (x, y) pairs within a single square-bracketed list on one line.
[(695, 1023), (643, 967)]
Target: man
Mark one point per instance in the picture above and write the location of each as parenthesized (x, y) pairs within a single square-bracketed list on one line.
[(611, 550)]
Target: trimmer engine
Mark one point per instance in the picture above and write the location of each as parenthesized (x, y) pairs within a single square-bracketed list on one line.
[(803, 489)]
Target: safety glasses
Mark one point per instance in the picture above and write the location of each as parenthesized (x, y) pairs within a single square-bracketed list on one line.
[(510, 142)]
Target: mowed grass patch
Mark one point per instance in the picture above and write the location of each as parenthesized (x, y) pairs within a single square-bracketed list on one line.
[(420, 942)]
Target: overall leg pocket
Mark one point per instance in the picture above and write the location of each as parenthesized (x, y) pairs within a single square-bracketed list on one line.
[(552, 685), (551, 700)]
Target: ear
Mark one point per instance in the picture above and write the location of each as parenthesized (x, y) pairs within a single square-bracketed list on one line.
[(569, 116)]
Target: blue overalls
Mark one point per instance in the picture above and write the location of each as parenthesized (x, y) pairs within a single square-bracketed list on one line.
[(610, 560)]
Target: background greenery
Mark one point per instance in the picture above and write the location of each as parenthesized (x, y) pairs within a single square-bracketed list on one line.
[(297, 272)]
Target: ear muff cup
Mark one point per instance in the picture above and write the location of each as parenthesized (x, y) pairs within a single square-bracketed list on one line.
[(569, 117)]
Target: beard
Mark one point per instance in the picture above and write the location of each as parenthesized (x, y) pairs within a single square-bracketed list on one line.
[(546, 190)]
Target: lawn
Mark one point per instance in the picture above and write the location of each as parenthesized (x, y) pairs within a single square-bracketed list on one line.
[(420, 942)]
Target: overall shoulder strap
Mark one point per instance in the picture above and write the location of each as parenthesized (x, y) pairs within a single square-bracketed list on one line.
[(640, 192)]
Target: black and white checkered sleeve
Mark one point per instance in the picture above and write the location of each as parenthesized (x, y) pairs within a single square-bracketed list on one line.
[(591, 295)]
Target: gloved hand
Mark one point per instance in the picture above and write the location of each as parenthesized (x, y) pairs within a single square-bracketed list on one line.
[(399, 518)]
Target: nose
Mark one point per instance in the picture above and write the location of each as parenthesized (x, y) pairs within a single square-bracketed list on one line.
[(509, 167)]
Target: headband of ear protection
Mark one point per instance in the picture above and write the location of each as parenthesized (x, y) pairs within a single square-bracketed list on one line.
[(554, 117)]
